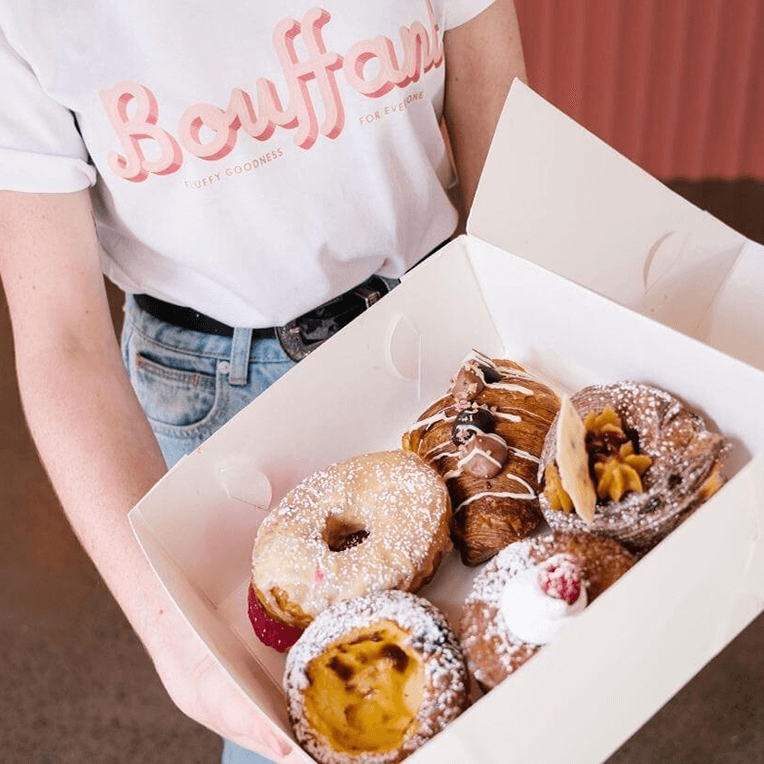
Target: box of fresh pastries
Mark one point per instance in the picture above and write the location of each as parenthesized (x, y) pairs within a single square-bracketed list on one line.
[(511, 509)]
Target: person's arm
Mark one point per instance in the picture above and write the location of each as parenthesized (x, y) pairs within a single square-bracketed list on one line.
[(483, 56), (93, 437)]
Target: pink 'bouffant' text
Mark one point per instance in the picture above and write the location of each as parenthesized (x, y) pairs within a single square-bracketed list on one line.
[(208, 132)]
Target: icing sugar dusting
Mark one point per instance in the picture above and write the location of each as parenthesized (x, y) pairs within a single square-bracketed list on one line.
[(683, 450), (394, 496), (492, 650), (491, 628)]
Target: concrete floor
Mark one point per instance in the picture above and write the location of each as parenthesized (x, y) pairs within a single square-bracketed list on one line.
[(77, 686)]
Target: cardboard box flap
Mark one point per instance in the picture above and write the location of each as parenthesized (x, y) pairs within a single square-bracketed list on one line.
[(735, 323), (553, 193)]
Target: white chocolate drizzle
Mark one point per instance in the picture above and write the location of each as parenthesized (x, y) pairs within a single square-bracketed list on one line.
[(482, 452), (466, 458), (510, 388), (497, 494), (431, 458), (476, 355), (509, 417), (530, 493), (441, 416), (524, 455), (509, 381)]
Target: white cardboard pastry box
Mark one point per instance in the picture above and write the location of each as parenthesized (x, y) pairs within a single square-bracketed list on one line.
[(581, 266)]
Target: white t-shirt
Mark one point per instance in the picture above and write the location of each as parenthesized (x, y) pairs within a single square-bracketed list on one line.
[(253, 159)]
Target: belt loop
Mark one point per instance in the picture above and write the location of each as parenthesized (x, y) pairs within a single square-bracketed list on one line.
[(240, 346)]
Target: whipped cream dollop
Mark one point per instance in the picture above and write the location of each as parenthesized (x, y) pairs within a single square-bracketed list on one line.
[(538, 603)]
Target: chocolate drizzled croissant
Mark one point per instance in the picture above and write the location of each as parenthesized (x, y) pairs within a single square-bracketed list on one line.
[(503, 398)]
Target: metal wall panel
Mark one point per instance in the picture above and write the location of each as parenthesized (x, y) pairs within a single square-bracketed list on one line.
[(675, 85)]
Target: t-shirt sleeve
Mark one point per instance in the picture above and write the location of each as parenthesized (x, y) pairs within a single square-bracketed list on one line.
[(41, 149), (459, 12)]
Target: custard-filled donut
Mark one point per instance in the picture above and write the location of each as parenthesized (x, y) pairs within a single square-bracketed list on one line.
[(525, 596), (636, 428), (373, 678), (374, 522)]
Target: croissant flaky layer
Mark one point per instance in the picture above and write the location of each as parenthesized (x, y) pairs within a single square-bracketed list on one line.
[(492, 512)]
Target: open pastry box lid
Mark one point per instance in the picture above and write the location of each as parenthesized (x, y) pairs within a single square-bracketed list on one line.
[(559, 221), (554, 194)]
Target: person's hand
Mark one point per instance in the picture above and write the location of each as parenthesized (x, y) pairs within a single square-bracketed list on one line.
[(202, 690)]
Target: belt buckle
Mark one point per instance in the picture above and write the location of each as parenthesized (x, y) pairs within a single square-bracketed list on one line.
[(291, 338)]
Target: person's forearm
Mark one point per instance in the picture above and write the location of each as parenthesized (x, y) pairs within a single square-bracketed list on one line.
[(102, 458), (483, 56), (94, 438)]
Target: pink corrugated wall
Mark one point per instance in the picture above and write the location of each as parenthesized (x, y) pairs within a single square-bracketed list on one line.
[(675, 85)]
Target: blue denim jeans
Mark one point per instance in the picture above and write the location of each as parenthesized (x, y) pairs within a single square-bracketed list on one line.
[(190, 384)]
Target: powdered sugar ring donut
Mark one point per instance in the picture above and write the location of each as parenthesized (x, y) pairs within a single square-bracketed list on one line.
[(373, 522), (492, 650), (426, 634)]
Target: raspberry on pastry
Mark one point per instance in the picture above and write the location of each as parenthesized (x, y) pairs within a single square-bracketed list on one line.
[(271, 633), (528, 593)]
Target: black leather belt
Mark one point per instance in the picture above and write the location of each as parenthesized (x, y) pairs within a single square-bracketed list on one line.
[(298, 337)]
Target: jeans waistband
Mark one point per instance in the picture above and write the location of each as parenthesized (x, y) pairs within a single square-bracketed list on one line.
[(297, 338)]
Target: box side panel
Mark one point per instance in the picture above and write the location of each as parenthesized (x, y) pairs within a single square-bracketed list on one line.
[(553, 193), (631, 650)]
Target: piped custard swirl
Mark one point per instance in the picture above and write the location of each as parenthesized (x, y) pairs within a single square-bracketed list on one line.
[(651, 462)]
